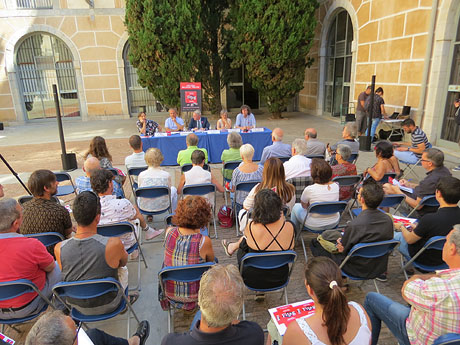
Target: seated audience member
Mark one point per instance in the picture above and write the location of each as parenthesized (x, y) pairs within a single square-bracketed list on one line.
[(344, 168), (273, 178), (136, 159), (41, 214), (267, 231), (88, 255), (298, 165), (147, 127), (246, 171), (386, 162), (349, 138), (434, 302), (335, 321), (232, 154), (412, 152), (23, 258), (197, 175), (185, 245), (224, 122), (322, 190), (277, 149), (432, 224), (433, 163), (221, 299), (2, 194), (155, 176), (314, 146), (83, 183), (184, 156), (115, 210), (54, 327), (371, 225), (174, 122), (198, 122), (245, 120)]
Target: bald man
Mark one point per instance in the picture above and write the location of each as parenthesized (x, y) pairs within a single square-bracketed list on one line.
[(82, 183), (314, 146), (278, 148)]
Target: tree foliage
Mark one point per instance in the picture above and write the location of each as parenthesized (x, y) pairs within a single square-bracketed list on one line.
[(272, 39)]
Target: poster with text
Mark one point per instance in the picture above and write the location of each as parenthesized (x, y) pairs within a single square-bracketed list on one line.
[(190, 96)]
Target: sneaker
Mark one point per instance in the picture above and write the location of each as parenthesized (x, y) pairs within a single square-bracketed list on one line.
[(457, 168), (151, 233), (382, 278), (134, 255), (259, 297)]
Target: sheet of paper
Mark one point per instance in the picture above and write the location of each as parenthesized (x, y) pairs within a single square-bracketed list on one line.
[(403, 188), (83, 338), (6, 339), (285, 314), (234, 130), (257, 129), (213, 131)]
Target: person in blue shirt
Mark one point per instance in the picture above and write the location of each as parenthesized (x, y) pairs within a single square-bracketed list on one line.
[(174, 122), (278, 148), (198, 122), (245, 120)]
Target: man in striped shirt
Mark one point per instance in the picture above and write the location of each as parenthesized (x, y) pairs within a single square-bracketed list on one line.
[(434, 302), (412, 152)]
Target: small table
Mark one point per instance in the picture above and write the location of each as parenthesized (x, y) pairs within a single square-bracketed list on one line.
[(395, 125)]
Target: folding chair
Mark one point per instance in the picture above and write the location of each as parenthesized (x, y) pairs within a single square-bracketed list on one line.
[(47, 238), (67, 189), (353, 158), (188, 166), (348, 181), (230, 165), (267, 262), (386, 177), (153, 192), (390, 200), (429, 200), (371, 250), (87, 289), (133, 173), (283, 159), (202, 190), (26, 198), (15, 288), (324, 208), (409, 167), (180, 274), (434, 243), (300, 183), (448, 339), (118, 229), (241, 187), (315, 156)]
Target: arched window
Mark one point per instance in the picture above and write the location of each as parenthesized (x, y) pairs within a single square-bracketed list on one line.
[(139, 98), (41, 61), (338, 64)]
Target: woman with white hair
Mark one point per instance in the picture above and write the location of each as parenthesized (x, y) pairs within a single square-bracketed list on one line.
[(224, 122), (246, 171), (344, 168), (155, 176), (234, 141)]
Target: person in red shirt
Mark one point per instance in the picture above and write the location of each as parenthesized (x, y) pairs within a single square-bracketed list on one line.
[(23, 258)]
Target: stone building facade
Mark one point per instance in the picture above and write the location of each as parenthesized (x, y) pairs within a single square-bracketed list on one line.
[(412, 46)]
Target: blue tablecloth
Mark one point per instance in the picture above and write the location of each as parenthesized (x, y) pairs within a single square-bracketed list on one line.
[(214, 143)]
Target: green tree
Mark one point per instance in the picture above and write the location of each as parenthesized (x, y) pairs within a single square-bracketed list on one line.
[(272, 39)]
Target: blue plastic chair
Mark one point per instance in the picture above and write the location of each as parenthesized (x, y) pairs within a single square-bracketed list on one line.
[(370, 250), (26, 198), (67, 189), (353, 158), (390, 200), (409, 167), (133, 174), (47, 238), (284, 159), (242, 187), (182, 274), (230, 165), (348, 181), (448, 339), (118, 229), (188, 166), (324, 208), (87, 289), (429, 200), (268, 261), (15, 288), (436, 243), (386, 177), (202, 190), (315, 156)]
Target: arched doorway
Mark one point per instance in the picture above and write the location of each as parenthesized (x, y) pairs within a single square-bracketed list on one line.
[(41, 61), (139, 97), (338, 65)]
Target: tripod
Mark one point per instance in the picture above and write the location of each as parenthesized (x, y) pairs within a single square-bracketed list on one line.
[(15, 174)]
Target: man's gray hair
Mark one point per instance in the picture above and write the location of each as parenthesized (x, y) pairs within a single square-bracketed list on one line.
[(191, 139), (300, 146), (455, 237), (247, 151), (221, 295), (435, 156), (351, 129), (234, 140), (8, 213), (344, 151), (51, 329), (197, 112)]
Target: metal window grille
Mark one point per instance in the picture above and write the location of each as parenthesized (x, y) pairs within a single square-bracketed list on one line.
[(40, 4)]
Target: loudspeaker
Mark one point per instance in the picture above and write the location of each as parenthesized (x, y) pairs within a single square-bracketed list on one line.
[(69, 161), (365, 143), (1, 126)]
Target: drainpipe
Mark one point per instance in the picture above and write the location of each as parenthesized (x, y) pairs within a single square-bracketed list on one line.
[(426, 67)]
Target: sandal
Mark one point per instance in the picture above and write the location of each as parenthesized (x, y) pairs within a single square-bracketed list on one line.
[(225, 245), (133, 298), (143, 331)]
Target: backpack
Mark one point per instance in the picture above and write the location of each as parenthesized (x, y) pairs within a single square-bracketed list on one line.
[(225, 216)]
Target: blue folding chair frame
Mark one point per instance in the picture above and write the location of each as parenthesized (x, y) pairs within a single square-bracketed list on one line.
[(283, 159), (26, 198), (448, 339), (134, 172), (436, 243), (429, 200), (186, 167), (348, 181), (269, 261), (386, 177), (389, 200), (315, 156), (119, 229), (371, 250), (47, 238), (182, 274), (64, 190), (245, 186), (230, 165)]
